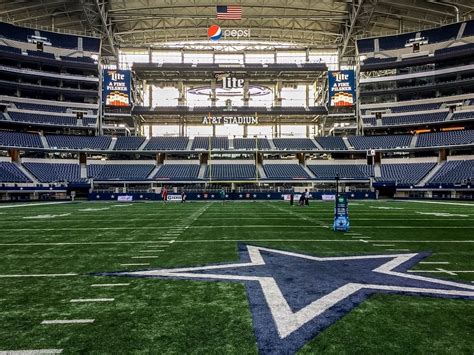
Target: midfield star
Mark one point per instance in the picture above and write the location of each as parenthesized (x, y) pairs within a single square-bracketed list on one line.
[(294, 297)]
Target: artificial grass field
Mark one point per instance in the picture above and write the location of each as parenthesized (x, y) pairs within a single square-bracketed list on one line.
[(181, 316)]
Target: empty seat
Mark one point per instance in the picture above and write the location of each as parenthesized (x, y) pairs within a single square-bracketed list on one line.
[(231, 171), (249, 143), (285, 171), (129, 143), (331, 143), (120, 171), (43, 118), (344, 171), (404, 174), (455, 172), (445, 138), (414, 118), (177, 172), (79, 142), (167, 143), (55, 172), (294, 143), (202, 143), (9, 172), (14, 139), (379, 142)]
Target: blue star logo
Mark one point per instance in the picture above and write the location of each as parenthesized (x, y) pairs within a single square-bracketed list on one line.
[(294, 297)]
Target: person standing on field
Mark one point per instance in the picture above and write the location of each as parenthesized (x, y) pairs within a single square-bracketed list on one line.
[(164, 194), (222, 194)]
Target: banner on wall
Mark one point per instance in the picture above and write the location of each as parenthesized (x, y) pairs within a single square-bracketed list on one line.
[(341, 88), (117, 87)]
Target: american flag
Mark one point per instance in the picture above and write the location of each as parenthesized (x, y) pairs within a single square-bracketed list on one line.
[(229, 12)]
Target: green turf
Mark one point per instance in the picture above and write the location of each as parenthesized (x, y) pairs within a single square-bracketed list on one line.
[(176, 317)]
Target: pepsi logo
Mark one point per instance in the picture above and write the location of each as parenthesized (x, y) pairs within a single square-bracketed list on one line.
[(214, 33)]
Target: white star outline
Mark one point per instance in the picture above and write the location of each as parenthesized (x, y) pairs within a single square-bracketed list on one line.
[(285, 319)]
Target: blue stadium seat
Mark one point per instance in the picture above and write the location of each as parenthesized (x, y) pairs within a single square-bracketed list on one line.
[(331, 143), (230, 171), (411, 108), (127, 172), (249, 143), (41, 54), (453, 173), (128, 143), (167, 143), (463, 115), (9, 172), (219, 143), (445, 138), (345, 171), (294, 143), (177, 172), (403, 174), (79, 142), (43, 118), (14, 139), (285, 172), (414, 118), (55, 172), (380, 142), (10, 49)]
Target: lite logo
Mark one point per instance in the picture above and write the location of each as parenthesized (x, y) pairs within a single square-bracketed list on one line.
[(116, 76), (340, 76), (229, 82)]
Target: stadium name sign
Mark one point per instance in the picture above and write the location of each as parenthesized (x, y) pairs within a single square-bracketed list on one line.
[(240, 120)]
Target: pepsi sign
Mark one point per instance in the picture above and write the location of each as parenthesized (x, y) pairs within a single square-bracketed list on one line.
[(215, 32)]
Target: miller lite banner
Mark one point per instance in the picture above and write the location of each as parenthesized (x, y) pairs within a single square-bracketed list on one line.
[(341, 88), (116, 87)]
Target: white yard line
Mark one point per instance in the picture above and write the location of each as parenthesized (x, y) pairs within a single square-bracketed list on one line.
[(86, 300), (149, 242), (31, 352), (296, 227), (135, 264), (444, 271), (37, 275), (442, 203), (145, 257), (68, 321), (383, 245), (36, 204)]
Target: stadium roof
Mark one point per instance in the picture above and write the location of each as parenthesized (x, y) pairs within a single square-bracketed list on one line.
[(309, 23)]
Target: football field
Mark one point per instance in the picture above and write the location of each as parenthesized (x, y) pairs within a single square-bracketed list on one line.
[(54, 294)]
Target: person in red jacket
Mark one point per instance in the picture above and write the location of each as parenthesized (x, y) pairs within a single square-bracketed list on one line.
[(164, 194)]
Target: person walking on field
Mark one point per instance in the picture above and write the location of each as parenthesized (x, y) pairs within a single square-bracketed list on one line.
[(306, 197), (164, 194), (222, 194), (301, 200)]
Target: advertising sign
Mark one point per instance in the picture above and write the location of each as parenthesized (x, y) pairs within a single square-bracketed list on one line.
[(116, 87), (341, 88)]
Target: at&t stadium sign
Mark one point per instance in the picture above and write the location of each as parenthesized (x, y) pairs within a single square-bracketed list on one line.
[(223, 120)]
